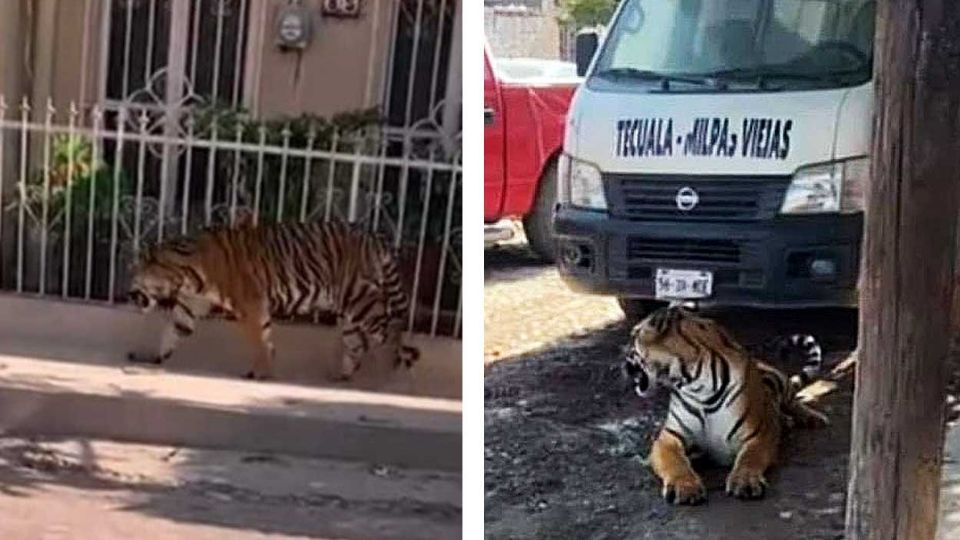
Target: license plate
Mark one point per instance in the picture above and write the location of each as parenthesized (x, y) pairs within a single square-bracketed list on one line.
[(683, 284)]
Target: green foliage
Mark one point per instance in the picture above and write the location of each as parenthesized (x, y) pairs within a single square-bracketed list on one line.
[(306, 130), (73, 177), (230, 121), (71, 156), (586, 13)]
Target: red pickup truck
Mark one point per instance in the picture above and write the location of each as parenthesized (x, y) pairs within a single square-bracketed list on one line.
[(525, 107)]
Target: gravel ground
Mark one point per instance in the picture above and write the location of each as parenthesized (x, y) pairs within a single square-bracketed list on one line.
[(526, 306), (566, 442)]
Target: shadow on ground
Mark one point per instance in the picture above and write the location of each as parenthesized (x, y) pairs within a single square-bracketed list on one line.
[(506, 263), (566, 445), (29, 469)]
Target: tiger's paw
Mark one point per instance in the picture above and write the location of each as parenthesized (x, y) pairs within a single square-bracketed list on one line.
[(342, 377), (746, 485), (135, 358), (348, 368), (685, 490)]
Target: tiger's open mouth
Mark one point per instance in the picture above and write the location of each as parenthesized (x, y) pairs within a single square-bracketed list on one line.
[(634, 370)]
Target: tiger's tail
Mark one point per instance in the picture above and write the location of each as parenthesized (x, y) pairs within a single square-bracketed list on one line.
[(802, 349)]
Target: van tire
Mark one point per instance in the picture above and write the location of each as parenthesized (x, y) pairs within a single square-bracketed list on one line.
[(635, 309), (538, 224)]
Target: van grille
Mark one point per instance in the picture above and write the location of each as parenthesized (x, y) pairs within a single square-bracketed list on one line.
[(684, 250), (720, 198)]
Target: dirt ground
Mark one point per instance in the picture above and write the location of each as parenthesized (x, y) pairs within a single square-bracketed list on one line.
[(526, 306), (80, 489), (566, 441)]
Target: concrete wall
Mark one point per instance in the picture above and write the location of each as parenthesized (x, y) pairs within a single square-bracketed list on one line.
[(306, 354), (342, 69), (331, 75), (66, 64), (12, 22), (11, 47), (518, 31)]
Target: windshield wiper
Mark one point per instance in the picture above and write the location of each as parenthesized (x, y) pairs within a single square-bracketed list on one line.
[(766, 73), (648, 75)]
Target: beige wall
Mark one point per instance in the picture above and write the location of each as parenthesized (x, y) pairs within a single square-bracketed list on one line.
[(11, 64), (73, 37), (331, 75), (11, 48), (68, 66), (516, 33), (343, 68)]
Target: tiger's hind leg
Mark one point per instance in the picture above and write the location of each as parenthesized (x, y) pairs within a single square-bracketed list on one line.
[(669, 460), (356, 343), (405, 355), (181, 324), (258, 327), (396, 304)]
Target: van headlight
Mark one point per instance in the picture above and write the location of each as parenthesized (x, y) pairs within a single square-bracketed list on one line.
[(831, 187), (580, 184)]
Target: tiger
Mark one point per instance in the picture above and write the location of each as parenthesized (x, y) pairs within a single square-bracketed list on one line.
[(724, 403), (251, 273)]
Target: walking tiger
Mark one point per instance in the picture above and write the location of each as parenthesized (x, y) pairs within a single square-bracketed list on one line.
[(255, 272)]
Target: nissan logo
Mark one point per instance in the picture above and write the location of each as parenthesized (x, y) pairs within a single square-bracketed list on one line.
[(687, 198)]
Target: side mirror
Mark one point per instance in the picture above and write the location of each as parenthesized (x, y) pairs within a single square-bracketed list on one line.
[(585, 46)]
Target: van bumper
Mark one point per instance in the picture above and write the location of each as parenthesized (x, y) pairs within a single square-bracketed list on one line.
[(796, 261)]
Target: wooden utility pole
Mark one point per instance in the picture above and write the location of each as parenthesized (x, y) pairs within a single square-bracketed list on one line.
[(907, 288)]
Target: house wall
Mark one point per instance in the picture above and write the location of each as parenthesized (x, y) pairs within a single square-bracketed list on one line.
[(11, 81), (351, 52), (70, 70), (66, 62), (342, 69), (523, 31), (11, 49)]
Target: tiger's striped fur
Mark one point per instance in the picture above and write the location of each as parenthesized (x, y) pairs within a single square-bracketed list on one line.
[(723, 402), (252, 273)]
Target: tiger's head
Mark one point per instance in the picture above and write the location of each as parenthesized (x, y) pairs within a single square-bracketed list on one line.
[(160, 273), (668, 349)]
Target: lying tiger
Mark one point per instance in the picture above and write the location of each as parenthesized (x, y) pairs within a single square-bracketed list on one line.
[(253, 272), (723, 402)]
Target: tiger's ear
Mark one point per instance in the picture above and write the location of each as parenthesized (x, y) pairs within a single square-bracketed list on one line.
[(663, 318)]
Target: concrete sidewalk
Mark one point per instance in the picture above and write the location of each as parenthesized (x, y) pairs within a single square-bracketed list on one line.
[(100, 334), (56, 398), (950, 485), (86, 488)]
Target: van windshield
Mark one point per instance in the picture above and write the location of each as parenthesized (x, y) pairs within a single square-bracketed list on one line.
[(739, 44)]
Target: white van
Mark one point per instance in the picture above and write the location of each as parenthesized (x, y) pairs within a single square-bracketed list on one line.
[(717, 151)]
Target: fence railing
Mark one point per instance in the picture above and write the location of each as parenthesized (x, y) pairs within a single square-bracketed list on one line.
[(82, 191)]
